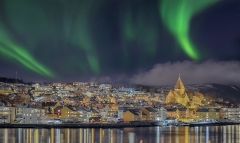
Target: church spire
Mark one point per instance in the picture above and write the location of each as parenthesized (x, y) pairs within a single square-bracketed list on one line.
[(179, 84)]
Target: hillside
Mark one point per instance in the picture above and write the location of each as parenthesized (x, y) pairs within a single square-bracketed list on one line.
[(212, 91)]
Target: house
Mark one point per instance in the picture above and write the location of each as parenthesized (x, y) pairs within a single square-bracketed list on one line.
[(172, 113), (150, 113), (93, 113), (49, 107), (57, 111), (103, 109), (133, 114), (69, 113)]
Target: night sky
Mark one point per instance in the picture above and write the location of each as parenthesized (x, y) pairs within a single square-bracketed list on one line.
[(135, 41)]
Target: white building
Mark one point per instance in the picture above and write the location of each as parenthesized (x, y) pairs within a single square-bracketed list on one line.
[(33, 115), (232, 114), (161, 114)]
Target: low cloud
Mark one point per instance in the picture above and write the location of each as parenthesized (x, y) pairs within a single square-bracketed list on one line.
[(225, 72), (103, 79), (116, 80)]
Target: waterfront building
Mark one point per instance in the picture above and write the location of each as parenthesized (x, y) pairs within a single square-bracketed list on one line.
[(20, 107), (172, 113), (7, 114), (103, 109), (178, 94), (207, 114), (33, 115), (69, 113), (112, 114), (82, 114), (151, 113), (120, 112), (230, 114), (134, 114), (86, 113), (93, 112), (161, 114), (184, 113), (19, 111)]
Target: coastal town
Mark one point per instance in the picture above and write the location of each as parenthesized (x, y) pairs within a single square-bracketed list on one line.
[(90, 103)]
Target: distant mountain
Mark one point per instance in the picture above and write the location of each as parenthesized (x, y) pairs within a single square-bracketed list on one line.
[(213, 91), (10, 80)]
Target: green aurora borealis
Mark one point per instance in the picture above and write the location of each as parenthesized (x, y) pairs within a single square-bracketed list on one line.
[(56, 38), (177, 14), (10, 49)]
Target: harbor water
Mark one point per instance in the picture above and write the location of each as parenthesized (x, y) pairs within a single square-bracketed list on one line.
[(168, 134)]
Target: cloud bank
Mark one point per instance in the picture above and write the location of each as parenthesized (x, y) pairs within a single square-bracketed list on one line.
[(117, 80), (225, 72)]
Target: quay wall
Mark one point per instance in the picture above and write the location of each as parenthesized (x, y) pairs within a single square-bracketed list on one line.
[(82, 125), (106, 125)]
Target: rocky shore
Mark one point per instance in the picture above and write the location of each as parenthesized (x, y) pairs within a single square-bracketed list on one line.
[(110, 125), (82, 125)]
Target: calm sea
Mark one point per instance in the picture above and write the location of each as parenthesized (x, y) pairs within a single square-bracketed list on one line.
[(183, 134)]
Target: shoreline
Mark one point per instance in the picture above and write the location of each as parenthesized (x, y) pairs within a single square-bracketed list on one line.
[(109, 125), (82, 125), (213, 124)]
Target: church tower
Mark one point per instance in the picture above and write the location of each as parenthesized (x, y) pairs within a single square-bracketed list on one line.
[(179, 86), (178, 94)]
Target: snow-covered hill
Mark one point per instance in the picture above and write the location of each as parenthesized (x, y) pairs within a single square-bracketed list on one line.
[(229, 93)]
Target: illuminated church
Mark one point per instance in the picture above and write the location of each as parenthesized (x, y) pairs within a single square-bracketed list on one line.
[(178, 94)]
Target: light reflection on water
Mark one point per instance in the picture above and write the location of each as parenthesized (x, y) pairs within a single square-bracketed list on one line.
[(183, 134)]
